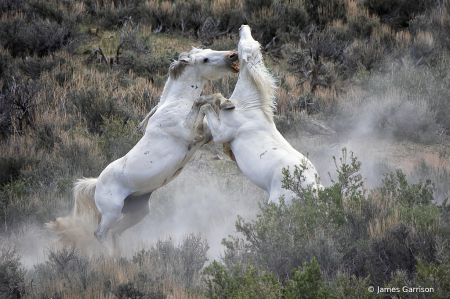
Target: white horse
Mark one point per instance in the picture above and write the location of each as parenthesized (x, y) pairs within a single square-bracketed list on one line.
[(246, 123), (123, 189)]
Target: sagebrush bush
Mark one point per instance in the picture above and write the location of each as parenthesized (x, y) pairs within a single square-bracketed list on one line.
[(19, 101), (118, 138), (342, 228), (12, 274), (39, 37), (149, 273), (183, 262), (34, 67), (11, 6), (152, 67), (12, 167), (45, 11), (398, 13), (95, 106)]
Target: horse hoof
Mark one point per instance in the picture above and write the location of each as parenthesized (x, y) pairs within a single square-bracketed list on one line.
[(226, 105), (199, 139)]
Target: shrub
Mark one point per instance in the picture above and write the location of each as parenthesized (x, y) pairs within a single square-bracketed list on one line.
[(6, 62), (240, 283), (118, 138), (64, 77), (12, 167), (277, 23), (151, 67), (436, 277), (39, 37), (182, 262), (19, 100), (34, 67), (398, 13), (46, 139), (306, 283), (11, 6), (66, 265), (408, 195), (310, 62), (331, 10), (12, 274), (128, 290), (45, 11), (95, 106), (77, 157), (345, 229)]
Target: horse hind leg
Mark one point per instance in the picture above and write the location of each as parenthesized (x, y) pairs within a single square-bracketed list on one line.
[(135, 208)]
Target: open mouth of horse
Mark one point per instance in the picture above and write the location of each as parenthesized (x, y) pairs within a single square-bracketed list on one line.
[(235, 65)]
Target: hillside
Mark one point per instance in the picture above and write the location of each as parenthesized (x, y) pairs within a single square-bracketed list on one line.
[(355, 76)]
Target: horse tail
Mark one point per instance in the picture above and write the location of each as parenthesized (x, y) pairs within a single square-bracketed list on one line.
[(143, 124), (84, 193), (79, 227)]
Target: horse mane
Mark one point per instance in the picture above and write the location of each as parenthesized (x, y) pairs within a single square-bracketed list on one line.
[(265, 82), (143, 124), (177, 67)]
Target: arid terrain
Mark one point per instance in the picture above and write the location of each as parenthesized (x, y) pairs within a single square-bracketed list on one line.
[(363, 91)]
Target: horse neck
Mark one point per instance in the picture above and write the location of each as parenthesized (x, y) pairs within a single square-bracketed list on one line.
[(246, 93), (184, 88)]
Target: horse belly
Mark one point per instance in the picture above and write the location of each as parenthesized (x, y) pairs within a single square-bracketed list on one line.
[(252, 160), (261, 159), (149, 167)]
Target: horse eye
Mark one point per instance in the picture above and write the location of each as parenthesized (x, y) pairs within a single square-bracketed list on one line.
[(205, 60)]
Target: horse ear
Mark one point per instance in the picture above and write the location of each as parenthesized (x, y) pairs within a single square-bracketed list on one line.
[(184, 58)]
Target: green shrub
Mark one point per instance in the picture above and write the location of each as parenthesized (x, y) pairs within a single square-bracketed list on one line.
[(118, 138), (78, 158), (240, 283), (336, 226), (306, 283), (405, 194), (436, 277)]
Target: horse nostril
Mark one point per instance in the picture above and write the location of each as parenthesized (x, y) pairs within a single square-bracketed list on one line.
[(233, 55)]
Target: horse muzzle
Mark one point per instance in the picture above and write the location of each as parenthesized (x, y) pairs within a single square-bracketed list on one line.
[(234, 58)]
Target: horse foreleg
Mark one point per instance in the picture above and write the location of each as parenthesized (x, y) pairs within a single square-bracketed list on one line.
[(220, 131), (195, 117)]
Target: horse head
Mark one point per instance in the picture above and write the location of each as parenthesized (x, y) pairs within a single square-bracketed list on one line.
[(251, 65), (208, 64)]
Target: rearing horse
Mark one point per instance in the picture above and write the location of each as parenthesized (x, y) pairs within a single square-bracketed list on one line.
[(246, 123), (123, 189)]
